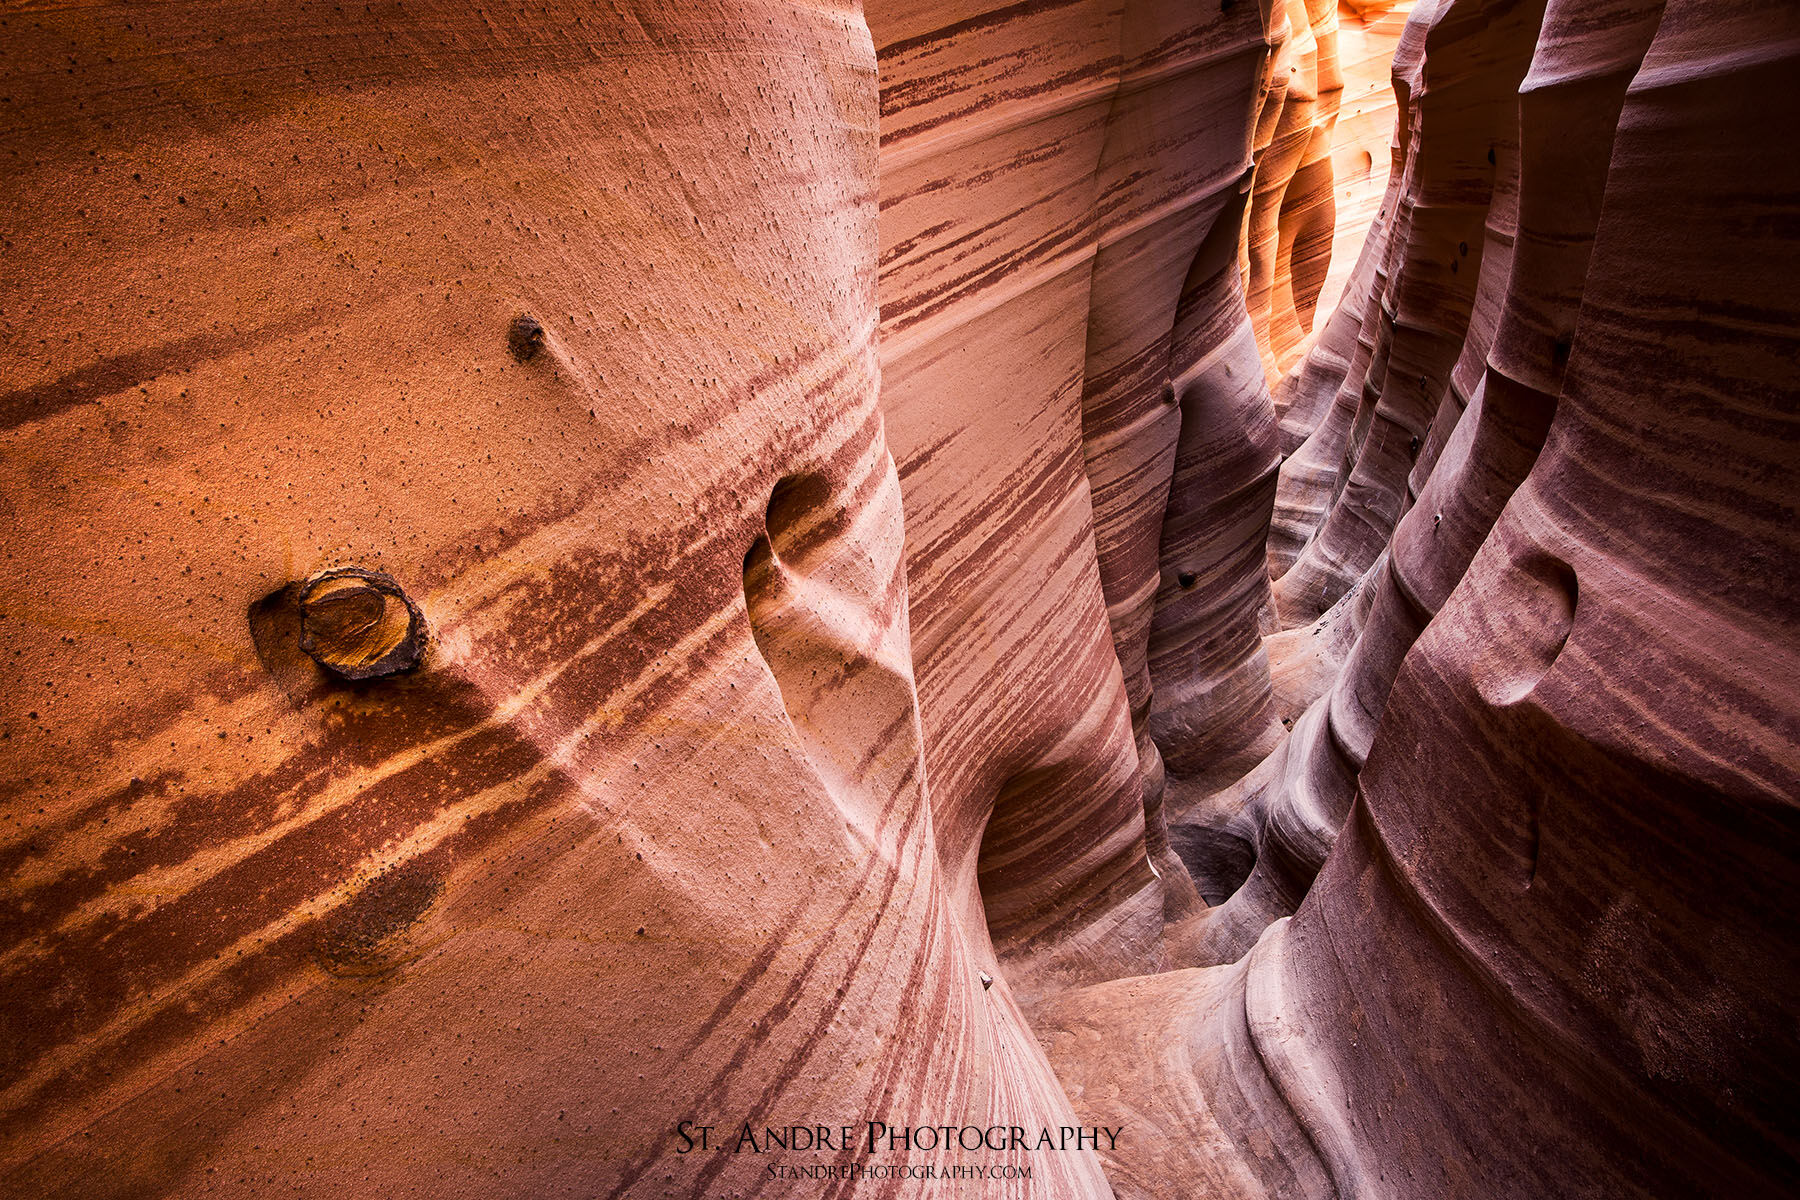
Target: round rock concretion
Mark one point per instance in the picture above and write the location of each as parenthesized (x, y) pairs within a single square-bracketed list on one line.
[(359, 624)]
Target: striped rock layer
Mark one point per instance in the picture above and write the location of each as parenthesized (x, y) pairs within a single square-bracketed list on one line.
[(1548, 784), (646, 838)]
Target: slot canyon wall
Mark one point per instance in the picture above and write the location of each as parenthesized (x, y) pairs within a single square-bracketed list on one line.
[(1531, 576), (584, 572)]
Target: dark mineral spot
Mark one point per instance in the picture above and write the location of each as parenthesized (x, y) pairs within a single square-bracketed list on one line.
[(358, 624), (1187, 579), (525, 337), (367, 936)]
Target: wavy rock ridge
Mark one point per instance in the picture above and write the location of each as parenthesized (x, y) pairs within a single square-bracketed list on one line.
[(1547, 776), (591, 572)]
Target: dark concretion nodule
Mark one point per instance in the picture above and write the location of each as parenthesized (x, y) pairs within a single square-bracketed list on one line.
[(359, 624)]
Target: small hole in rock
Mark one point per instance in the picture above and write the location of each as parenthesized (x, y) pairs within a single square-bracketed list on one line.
[(1219, 861), (795, 509)]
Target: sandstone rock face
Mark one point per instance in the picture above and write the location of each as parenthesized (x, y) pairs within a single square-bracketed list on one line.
[(1567, 812), (645, 837), (1568, 114), (989, 232), (1472, 59), (587, 573)]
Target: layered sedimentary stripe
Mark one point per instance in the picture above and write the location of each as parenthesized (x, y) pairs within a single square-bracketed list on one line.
[(1474, 57), (1561, 891), (1569, 108), (613, 857), (1308, 216), (1160, 198), (1211, 707), (1349, 358), (994, 123), (1284, 131)]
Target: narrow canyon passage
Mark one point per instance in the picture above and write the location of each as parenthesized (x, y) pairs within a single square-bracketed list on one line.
[(653, 599)]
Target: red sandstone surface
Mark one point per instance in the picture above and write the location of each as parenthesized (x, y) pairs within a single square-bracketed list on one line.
[(1220, 576)]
